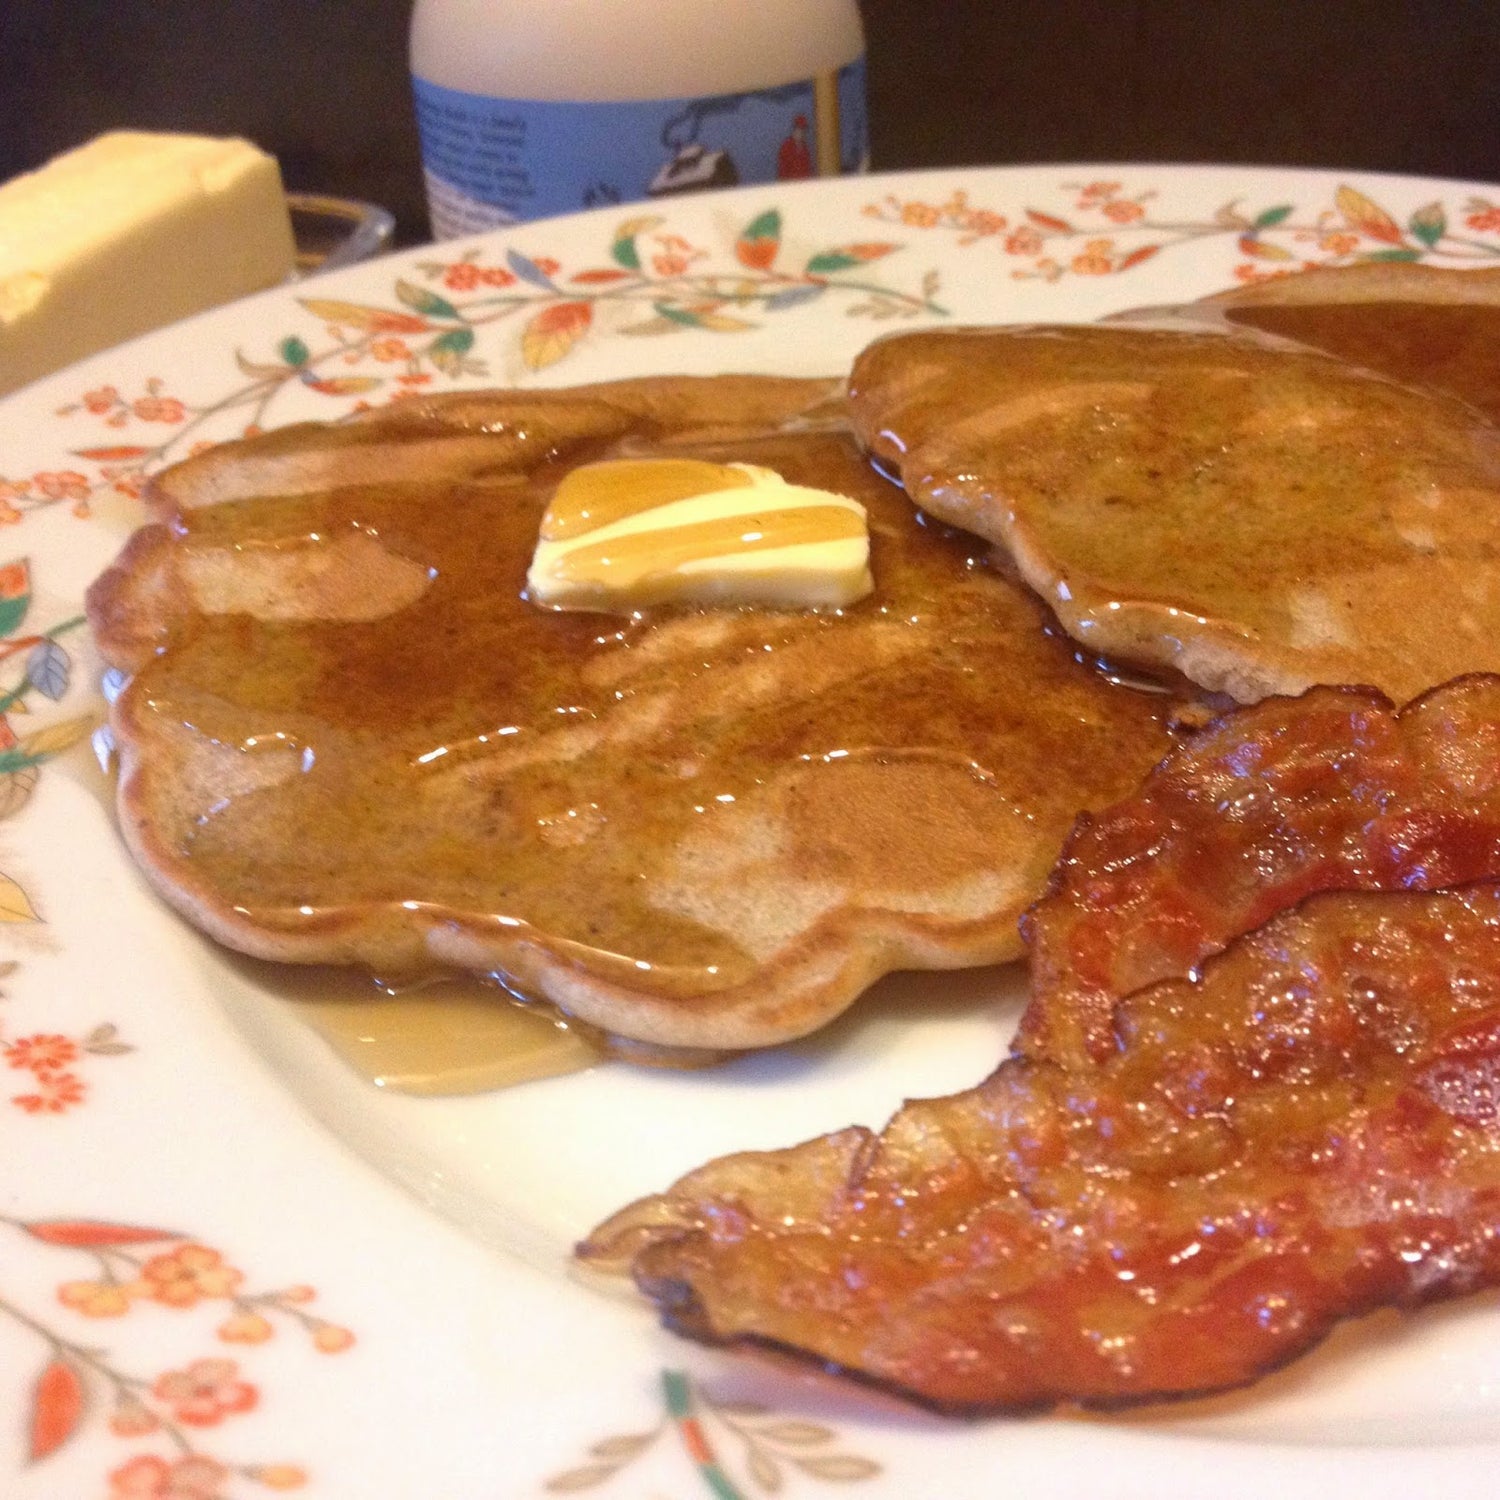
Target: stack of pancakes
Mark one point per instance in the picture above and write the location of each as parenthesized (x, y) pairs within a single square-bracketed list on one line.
[(348, 737)]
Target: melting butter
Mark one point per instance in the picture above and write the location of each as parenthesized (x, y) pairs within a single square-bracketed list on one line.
[(626, 534), (595, 495)]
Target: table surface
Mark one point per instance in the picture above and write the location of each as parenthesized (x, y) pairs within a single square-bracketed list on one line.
[(1394, 85)]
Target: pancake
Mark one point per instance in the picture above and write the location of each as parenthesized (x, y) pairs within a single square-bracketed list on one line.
[(1257, 516), (348, 737)]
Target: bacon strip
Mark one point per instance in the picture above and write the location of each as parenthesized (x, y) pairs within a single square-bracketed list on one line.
[(1329, 791), (1307, 1131)]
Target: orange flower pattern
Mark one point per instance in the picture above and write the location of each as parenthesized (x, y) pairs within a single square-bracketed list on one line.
[(50, 1057), (188, 1274), (650, 280), (206, 1392), (246, 1328), (136, 1267), (669, 284), (1271, 241), (159, 409), (42, 1054), (329, 1338), (1104, 227), (67, 485), (97, 1299), (54, 1093), (464, 276), (148, 1477)]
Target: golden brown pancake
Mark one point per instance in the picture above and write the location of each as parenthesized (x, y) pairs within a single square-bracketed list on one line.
[(349, 737), (1254, 515)]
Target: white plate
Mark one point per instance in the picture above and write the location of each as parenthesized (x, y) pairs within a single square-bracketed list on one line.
[(211, 1229)]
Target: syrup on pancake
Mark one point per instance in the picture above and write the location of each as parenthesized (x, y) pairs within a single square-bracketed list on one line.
[(1259, 518), (1448, 347), (350, 738), (1422, 325)]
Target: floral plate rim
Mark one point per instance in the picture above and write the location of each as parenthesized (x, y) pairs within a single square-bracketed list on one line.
[(142, 1332)]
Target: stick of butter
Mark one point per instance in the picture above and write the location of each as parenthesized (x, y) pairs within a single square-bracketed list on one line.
[(126, 233), (626, 534)]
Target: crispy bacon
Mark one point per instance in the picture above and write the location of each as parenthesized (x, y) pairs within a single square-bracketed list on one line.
[(1308, 1130), (1329, 791)]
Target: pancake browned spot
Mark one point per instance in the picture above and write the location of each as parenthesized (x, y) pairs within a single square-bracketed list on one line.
[(350, 738), (1256, 516)]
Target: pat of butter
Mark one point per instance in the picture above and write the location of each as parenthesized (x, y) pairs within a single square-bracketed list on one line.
[(126, 233), (630, 533)]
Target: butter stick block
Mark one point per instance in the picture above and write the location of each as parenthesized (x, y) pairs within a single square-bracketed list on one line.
[(628, 534), (127, 233)]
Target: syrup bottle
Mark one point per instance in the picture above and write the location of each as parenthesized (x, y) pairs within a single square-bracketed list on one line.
[(534, 107)]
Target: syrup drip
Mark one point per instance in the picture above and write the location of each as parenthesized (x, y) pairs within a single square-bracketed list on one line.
[(452, 1035)]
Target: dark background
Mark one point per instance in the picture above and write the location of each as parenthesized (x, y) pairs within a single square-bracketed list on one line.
[(1369, 84)]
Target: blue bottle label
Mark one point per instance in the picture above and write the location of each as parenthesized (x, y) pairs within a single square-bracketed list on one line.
[(499, 161)]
